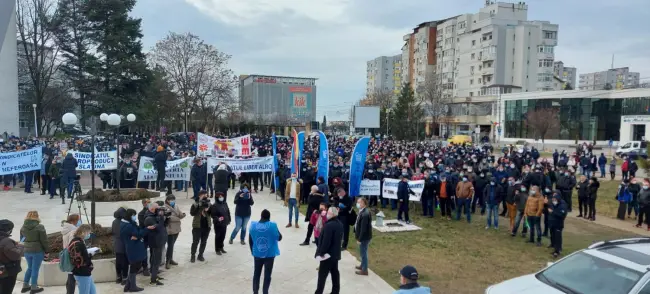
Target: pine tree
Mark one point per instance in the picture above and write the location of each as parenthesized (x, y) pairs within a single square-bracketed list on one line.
[(406, 115), (122, 74), (324, 123)]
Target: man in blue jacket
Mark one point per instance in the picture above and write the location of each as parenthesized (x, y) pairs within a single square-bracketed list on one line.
[(403, 192), (263, 239), (409, 282), (602, 162), (556, 214), (69, 167)]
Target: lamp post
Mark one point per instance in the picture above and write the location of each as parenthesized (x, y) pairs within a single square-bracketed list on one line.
[(115, 120), (35, 120), (70, 119)]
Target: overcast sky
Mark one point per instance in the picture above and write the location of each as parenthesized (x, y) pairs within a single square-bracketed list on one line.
[(332, 39)]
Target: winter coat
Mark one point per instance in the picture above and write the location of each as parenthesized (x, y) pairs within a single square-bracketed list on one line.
[(583, 190), (81, 262), (198, 214), (498, 193), (331, 239), (157, 237), (534, 205), (135, 249), (243, 204), (412, 288), (644, 198), (160, 160), (198, 174), (69, 166), (11, 252), (219, 209), (557, 216), (174, 222), (363, 226), (115, 230), (464, 190), (593, 190), (35, 237), (67, 232), (313, 203), (221, 180), (623, 194)]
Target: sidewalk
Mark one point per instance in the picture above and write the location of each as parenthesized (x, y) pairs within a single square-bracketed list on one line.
[(613, 223)]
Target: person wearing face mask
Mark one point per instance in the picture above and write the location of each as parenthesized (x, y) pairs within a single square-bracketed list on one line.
[(446, 192), (464, 194), (492, 195), (121, 262), (623, 196), (644, 204), (198, 175), (11, 253), (156, 238), (82, 263), (36, 249), (594, 185), (318, 220), (403, 192), (583, 195), (221, 219), (634, 188), (292, 198), (533, 212), (173, 228), (200, 212), (363, 234), (521, 197), (510, 190), (429, 195), (315, 199), (131, 236), (480, 183), (329, 243), (557, 214)]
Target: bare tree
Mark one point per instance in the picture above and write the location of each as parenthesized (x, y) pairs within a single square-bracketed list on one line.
[(198, 72), (382, 98), (37, 53), (543, 122), (435, 103)]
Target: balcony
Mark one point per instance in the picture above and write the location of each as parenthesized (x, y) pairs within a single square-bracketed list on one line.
[(487, 71)]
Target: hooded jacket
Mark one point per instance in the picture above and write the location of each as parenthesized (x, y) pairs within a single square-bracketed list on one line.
[(69, 166), (67, 232), (174, 222), (118, 245), (557, 216), (10, 251), (35, 237)]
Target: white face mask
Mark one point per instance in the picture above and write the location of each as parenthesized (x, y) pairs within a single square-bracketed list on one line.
[(554, 202), (221, 199)]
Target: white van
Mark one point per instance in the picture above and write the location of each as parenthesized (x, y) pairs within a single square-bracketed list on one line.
[(633, 149)]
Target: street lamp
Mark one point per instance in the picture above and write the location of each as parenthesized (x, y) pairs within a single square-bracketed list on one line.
[(115, 120), (35, 120), (70, 119)]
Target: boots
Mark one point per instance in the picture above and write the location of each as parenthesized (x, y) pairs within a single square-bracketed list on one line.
[(167, 265), (193, 259), (146, 272), (131, 285)]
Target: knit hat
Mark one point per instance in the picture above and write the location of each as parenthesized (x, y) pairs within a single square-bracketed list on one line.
[(160, 148)]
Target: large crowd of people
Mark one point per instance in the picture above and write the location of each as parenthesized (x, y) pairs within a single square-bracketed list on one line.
[(531, 192)]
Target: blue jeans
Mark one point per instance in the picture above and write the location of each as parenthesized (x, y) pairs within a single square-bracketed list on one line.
[(293, 209), (465, 204), (602, 170), (535, 228), (34, 261), (518, 219), (240, 224), (70, 183), (86, 284), (28, 183), (427, 207), (363, 252), (493, 213)]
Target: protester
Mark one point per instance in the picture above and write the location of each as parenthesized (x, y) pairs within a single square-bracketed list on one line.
[(173, 228), (493, 196), (263, 239), (464, 194), (141, 217), (533, 213), (583, 196), (121, 261), (67, 232), (81, 260), (222, 180), (132, 238), (403, 193), (594, 185), (644, 204), (36, 245), (160, 163), (329, 251), (557, 214), (10, 257), (243, 203), (292, 198), (200, 212), (409, 282), (220, 214), (69, 168), (156, 237), (624, 196), (315, 199), (363, 234)]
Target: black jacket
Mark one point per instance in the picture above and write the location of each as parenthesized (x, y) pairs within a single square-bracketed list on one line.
[(158, 236), (363, 226), (565, 183), (534, 179), (331, 238), (198, 174), (430, 189), (221, 180), (118, 246), (593, 190), (498, 194), (243, 205), (220, 209), (583, 190), (82, 265), (313, 203), (160, 160)]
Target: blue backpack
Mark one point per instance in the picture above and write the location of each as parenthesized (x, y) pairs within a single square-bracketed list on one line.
[(65, 264)]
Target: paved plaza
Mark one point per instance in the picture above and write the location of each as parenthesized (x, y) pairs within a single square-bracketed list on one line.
[(294, 270)]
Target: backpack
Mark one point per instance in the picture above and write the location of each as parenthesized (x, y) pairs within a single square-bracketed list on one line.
[(65, 264)]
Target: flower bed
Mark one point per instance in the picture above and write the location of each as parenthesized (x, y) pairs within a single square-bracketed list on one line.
[(123, 195)]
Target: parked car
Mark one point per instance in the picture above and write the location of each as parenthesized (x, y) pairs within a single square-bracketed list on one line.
[(609, 267), (633, 149)]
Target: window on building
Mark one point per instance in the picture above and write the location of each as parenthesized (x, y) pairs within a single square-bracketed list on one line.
[(473, 42), (478, 80), (545, 63), (471, 81), (545, 49), (550, 35), (471, 94), (473, 56), (545, 77)]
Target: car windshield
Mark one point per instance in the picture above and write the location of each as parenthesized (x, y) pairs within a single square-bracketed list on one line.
[(584, 273), (626, 146)]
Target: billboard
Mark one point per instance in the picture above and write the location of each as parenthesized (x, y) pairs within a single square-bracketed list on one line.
[(366, 117), (300, 101)]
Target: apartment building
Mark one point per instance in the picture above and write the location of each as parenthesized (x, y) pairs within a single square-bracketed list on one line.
[(384, 73), (8, 69), (567, 74), (615, 78)]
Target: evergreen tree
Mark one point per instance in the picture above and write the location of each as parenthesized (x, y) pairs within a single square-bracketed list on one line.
[(406, 116), (122, 74), (72, 31), (324, 123)]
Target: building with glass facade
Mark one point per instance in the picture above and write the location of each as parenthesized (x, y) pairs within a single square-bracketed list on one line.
[(600, 115)]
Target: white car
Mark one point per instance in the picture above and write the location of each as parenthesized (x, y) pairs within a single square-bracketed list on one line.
[(610, 267)]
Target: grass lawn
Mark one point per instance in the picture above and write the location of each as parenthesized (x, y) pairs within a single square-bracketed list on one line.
[(457, 257)]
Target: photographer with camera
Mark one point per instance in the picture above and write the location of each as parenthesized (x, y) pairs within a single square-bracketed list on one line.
[(221, 218), (200, 224), (155, 221), (173, 228), (69, 168)]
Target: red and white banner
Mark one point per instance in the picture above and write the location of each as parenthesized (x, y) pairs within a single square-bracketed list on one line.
[(211, 146)]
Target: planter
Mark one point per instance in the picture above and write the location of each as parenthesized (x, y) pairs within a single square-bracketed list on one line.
[(125, 195), (50, 275)]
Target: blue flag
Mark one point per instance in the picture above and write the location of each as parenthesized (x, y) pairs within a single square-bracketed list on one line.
[(276, 179), (357, 166), (294, 149), (301, 147), (323, 157)]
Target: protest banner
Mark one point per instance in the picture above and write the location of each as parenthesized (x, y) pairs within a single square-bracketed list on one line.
[(256, 164), (103, 160), (176, 170), (21, 161), (211, 146), (370, 188), (390, 189)]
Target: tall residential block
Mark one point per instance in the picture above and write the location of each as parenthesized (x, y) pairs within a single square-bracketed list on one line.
[(8, 69), (384, 74), (615, 78), (568, 75)]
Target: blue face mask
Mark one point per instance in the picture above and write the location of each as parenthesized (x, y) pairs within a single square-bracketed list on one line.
[(172, 203), (78, 223), (245, 190), (134, 219), (87, 237)]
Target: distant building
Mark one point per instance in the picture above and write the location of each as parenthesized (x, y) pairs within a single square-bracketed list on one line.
[(384, 74), (8, 69), (277, 100), (615, 78), (567, 74)]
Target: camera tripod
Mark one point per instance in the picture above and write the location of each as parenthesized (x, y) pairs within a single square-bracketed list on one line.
[(76, 196)]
